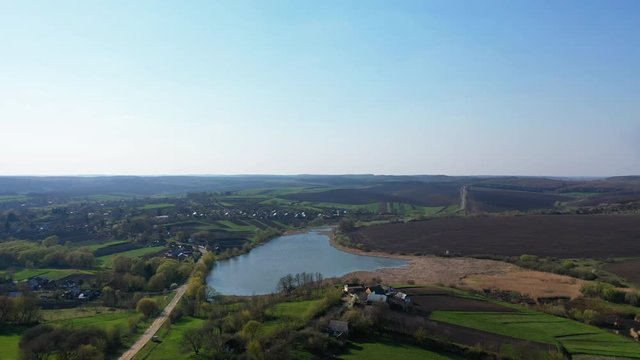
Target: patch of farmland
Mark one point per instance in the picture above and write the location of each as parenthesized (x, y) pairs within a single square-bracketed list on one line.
[(107, 260), (409, 192), (115, 247), (498, 200), (565, 236), (577, 338), (627, 269)]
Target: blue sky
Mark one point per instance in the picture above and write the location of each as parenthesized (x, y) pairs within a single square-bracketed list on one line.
[(288, 87)]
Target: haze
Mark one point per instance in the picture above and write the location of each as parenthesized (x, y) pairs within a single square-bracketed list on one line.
[(412, 87)]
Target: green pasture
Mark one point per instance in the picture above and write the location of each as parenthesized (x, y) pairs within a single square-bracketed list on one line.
[(106, 261), (171, 335), (51, 274), (12, 198), (577, 338), (156, 206), (9, 339)]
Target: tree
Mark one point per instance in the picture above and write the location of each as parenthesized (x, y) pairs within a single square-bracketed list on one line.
[(251, 331), (148, 307), (194, 339), (346, 225), (51, 241), (108, 296)]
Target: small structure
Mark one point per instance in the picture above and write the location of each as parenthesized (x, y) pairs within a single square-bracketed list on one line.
[(353, 288), (338, 329), (376, 298)]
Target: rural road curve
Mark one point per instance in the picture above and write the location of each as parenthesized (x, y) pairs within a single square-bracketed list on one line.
[(159, 321)]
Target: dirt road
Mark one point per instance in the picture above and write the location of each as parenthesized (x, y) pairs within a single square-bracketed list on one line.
[(158, 322)]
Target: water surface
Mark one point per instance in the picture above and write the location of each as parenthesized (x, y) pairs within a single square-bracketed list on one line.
[(258, 271)]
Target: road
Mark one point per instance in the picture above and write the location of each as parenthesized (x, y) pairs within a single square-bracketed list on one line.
[(463, 199), (159, 321)]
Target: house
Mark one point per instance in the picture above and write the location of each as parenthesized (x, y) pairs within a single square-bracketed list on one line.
[(378, 289), (376, 298), (37, 282), (338, 328), (401, 300)]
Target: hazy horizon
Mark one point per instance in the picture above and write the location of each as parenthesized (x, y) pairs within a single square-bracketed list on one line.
[(525, 88)]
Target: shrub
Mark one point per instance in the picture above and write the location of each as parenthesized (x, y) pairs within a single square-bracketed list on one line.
[(147, 307)]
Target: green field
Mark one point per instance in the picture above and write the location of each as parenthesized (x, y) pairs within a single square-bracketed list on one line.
[(94, 247), (577, 338), (105, 261), (9, 339), (51, 274), (156, 206), (11, 198), (170, 347), (384, 349)]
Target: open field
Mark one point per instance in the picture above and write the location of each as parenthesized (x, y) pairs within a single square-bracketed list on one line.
[(105, 261), (385, 349), (171, 346), (9, 339), (51, 274), (567, 236), (435, 299), (536, 284), (409, 192), (498, 200), (627, 269), (577, 338)]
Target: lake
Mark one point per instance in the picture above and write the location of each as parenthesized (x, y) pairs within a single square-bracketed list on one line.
[(258, 271)]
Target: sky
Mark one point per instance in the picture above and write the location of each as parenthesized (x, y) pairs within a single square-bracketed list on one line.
[(507, 87)]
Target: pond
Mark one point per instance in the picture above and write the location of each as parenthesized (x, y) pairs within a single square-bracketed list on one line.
[(259, 271)]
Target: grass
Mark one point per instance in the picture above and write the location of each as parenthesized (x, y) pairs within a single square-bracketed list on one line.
[(107, 260), (78, 312), (51, 274), (577, 338), (170, 347), (9, 339), (94, 247), (11, 198), (385, 349), (156, 206), (110, 197), (287, 313)]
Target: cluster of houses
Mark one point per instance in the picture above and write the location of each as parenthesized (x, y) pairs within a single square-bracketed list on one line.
[(379, 294), (70, 287), (181, 252)]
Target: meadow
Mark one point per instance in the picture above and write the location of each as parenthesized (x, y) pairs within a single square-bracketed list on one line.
[(575, 337)]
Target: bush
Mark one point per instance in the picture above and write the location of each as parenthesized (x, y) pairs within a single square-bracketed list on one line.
[(147, 307)]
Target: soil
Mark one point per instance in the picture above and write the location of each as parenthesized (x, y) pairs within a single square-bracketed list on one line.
[(564, 236)]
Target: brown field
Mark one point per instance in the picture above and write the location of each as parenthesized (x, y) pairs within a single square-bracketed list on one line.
[(433, 299), (627, 269), (564, 236), (498, 200), (535, 284)]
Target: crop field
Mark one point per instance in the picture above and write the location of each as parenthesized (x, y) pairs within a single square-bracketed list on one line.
[(564, 236), (105, 261), (385, 349), (577, 338), (498, 200), (429, 300), (627, 269), (156, 206), (408, 192)]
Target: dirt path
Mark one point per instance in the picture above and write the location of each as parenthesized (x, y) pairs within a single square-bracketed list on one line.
[(463, 198), (158, 322)]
